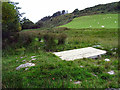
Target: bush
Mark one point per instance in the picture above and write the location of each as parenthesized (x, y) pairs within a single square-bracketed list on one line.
[(53, 39), (60, 29), (61, 38), (49, 41), (25, 38)]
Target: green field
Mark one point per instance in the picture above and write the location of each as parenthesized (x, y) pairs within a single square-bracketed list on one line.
[(35, 44), (52, 72), (94, 21)]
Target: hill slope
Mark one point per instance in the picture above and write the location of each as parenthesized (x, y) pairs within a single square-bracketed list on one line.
[(94, 21), (109, 8)]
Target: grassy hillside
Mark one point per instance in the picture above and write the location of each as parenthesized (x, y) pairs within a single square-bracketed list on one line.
[(59, 20), (52, 72), (113, 7), (94, 21), (110, 8)]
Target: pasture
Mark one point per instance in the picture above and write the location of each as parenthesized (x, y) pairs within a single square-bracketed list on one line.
[(52, 72), (28, 56), (94, 21)]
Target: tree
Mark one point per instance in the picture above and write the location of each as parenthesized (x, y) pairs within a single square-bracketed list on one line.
[(63, 11), (76, 11), (26, 23), (10, 23), (46, 18), (10, 18), (56, 14), (39, 24)]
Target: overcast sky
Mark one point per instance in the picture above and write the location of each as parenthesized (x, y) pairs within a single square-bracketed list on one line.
[(37, 9)]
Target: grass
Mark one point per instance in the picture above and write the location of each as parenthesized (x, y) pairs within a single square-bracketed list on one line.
[(52, 72), (88, 37), (94, 21)]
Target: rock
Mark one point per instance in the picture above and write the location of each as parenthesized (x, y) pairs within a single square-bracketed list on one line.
[(25, 65), (107, 59), (21, 57), (113, 49), (102, 26), (111, 72), (81, 66), (71, 80), (114, 53), (33, 56), (77, 82), (99, 46), (34, 59), (41, 41), (23, 60), (26, 68), (94, 75)]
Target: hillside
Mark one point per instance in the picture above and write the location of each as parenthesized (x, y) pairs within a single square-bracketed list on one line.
[(29, 60), (98, 9), (94, 21)]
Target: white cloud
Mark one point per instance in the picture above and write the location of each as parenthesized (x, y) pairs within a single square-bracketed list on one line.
[(37, 9)]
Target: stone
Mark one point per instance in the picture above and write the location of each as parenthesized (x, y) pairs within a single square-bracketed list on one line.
[(94, 75), (102, 26), (107, 59), (34, 59), (21, 57), (97, 46), (77, 82), (25, 65), (16, 60), (26, 68), (114, 53), (111, 72), (81, 66), (88, 52), (33, 56), (71, 80), (23, 60)]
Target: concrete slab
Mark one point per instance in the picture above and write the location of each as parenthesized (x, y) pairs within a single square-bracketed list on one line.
[(74, 54)]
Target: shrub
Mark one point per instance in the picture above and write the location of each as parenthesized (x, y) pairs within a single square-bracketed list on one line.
[(26, 38), (61, 38), (60, 29), (49, 41)]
